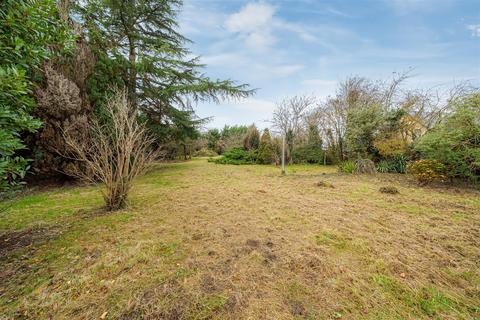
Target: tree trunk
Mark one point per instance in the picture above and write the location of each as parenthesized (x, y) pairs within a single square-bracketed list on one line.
[(132, 77)]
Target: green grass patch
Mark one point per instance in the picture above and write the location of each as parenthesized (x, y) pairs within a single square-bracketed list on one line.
[(332, 239)]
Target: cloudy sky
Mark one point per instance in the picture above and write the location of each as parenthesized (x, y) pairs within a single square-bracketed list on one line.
[(289, 47)]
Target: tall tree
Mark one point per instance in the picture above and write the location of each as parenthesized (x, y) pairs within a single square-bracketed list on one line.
[(265, 149), (289, 118), (163, 81)]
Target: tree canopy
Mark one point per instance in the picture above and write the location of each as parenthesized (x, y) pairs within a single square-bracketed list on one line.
[(148, 56)]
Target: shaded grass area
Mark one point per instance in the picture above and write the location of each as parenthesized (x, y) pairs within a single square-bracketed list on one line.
[(202, 241)]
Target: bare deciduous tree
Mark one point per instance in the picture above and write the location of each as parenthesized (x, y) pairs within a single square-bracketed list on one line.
[(115, 152), (289, 117)]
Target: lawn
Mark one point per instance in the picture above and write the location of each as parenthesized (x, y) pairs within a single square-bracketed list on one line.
[(202, 241)]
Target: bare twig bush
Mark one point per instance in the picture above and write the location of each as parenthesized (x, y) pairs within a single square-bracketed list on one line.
[(366, 166), (115, 152)]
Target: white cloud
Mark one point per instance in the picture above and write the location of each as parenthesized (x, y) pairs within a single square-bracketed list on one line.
[(256, 24), (475, 28), (251, 18), (224, 59), (285, 70), (260, 40), (243, 112), (194, 20)]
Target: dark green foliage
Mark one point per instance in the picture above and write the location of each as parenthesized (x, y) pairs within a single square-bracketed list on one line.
[(30, 33), (314, 138), (213, 137), (107, 75), (362, 125), (265, 149), (308, 154), (149, 57), (237, 156), (395, 164), (383, 166), (312, 151), (230, 131), (252, 138), (289, 141), (456, 141)]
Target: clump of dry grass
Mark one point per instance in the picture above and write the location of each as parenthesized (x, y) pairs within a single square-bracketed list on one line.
[(389, 190), (365, 166), (324, 184)]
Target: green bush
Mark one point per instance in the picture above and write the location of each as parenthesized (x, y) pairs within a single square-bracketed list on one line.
[(427, 170), (395, 164), (383, 166), (346, 167), (31, 32), (265, 149), (308, 154), (456, 141), (236, 156)]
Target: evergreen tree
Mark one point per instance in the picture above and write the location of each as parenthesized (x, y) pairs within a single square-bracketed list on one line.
[(265, 149), (140, 38), (314, 139), (252, 138)]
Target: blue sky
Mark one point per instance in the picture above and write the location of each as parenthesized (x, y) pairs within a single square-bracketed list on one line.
[(289, 47)]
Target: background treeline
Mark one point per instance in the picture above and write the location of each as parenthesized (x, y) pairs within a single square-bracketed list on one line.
[(434, 133), (61, 62)]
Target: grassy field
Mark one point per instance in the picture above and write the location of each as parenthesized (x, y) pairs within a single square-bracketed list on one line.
[(202, 241)]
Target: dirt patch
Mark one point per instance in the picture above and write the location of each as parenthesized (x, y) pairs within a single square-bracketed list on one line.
[(296, 308), (208, 284), (151, 303), (16, 240), (324, 184), (253, 243)]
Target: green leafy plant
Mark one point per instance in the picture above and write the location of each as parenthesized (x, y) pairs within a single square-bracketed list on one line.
[(383, 166), (31, 32), (346, 167), (456, 141), (395, 164), (427, 170)]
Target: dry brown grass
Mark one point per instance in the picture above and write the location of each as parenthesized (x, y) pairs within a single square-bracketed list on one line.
[(206, 241)]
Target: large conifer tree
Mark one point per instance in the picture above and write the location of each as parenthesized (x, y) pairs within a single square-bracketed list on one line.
[(162, 78)]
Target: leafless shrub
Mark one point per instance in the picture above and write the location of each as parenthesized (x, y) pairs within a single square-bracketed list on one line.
[(115, 152), (290, 118), (365, 166)]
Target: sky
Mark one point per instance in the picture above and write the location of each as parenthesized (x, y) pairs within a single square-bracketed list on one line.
[(290, 47)]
